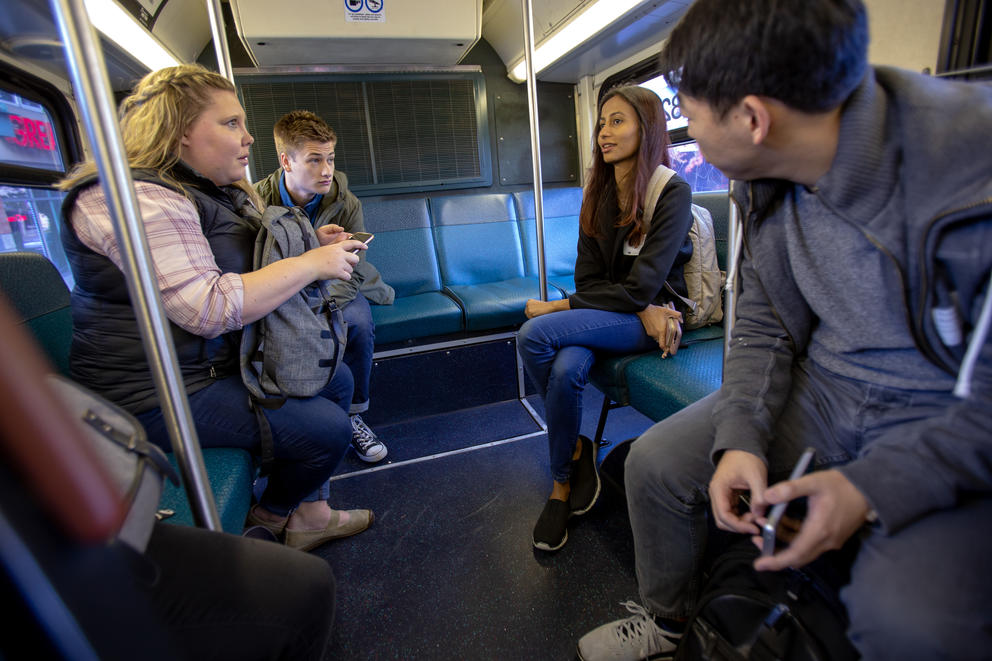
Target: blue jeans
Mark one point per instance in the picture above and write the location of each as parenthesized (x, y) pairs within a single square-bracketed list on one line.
[(558, 350), (358, 352), (310, 435), (919, 593)]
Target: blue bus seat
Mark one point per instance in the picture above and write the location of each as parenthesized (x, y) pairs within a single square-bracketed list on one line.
[(231, 473), (561, 234), (403, 251), (481, 259), (37, 292)]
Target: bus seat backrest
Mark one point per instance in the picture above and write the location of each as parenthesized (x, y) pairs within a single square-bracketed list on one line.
[(403, 248), (38, 294), (561, 229), (477, 238)]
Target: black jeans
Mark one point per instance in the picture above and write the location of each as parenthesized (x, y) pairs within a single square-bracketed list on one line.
[(228, 597)]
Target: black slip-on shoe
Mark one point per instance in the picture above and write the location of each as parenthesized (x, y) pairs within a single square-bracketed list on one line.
[(584, 480), (550, 531)]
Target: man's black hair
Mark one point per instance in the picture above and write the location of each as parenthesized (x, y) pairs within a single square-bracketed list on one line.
[(808, 54)]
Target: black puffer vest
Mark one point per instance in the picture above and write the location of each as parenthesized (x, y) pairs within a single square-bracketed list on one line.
[(107, 354)]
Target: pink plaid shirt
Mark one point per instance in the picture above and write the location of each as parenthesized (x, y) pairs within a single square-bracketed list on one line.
[(195, 294)]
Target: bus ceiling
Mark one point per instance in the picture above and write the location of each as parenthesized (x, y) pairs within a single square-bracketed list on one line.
[(261, 33)]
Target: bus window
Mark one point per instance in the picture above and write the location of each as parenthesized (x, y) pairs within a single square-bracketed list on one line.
[(29, 214), (691, 166), (686, 158), (28, 221)]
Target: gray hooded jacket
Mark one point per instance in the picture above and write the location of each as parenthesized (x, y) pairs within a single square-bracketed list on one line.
[(912, 173)]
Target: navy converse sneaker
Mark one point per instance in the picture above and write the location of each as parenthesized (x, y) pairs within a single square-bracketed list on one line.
[(367, 445)]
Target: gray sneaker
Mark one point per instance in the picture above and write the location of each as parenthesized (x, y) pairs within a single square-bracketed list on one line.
[(631, 639), (367, 445)]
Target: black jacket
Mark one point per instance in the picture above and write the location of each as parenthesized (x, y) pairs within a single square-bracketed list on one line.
[(606, 279)]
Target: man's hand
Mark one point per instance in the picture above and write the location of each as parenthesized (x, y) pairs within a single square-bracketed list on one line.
[(835, 509), (664, 324), (738, 471), (330, 234), (535, 308)]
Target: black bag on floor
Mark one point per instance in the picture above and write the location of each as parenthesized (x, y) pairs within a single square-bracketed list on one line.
[(791, 615)]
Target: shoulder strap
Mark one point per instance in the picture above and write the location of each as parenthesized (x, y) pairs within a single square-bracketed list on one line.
[(659, 179)]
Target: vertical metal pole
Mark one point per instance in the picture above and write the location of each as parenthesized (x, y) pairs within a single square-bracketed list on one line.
[(219, 35), (535, 143), (92, 88), (735, 240), (220, 39)]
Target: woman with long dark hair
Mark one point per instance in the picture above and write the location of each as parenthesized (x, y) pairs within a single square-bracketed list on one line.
[(620, 305)]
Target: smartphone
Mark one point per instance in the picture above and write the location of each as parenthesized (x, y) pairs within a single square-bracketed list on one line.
[(769, 531), (364, 237)]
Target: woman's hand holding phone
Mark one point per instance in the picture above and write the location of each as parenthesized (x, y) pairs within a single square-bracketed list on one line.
[(664, 324)]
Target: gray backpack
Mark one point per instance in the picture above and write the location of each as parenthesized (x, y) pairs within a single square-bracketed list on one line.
[(703, 277), (294, 350)]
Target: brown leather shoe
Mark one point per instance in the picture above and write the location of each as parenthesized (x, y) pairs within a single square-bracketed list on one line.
[(304, 540)]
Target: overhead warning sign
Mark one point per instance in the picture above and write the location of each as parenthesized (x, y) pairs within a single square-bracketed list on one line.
[(364, 11)]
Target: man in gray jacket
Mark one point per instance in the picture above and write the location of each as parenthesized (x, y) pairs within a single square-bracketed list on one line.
[(308, 179), (862, 331)]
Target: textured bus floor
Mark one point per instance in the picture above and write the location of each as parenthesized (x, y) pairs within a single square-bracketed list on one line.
[(448, 570)]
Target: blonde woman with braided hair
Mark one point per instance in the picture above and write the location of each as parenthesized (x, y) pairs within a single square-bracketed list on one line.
[(186, 141)]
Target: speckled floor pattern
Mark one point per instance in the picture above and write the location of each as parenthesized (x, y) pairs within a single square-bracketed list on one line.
[(448, 570)]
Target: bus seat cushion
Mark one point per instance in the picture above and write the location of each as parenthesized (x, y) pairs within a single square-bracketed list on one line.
[(659, 387), (406, 260), (231, 473), (498, 304), (422, 315)]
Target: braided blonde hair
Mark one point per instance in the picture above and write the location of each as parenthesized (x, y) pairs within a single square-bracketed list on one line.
[(154, 118)]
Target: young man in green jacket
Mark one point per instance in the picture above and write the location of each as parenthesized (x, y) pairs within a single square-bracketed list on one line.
[(307, 179)]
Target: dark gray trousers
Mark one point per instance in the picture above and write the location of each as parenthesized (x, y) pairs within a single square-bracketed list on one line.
[(921, 593)]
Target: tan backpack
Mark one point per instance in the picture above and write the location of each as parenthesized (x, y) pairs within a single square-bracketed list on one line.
[(703, 277)]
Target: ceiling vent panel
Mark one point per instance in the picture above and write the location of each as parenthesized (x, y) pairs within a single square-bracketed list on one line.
[(318, 32)]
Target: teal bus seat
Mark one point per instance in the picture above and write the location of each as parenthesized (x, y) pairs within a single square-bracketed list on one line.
[(481, 258), (403, 251), (231, 473), (561, 234), (38, 294)]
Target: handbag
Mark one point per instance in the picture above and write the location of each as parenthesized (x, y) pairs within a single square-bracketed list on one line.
[(136, 466)]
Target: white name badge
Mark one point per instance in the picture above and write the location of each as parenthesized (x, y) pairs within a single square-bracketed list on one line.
[(631, 250)]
